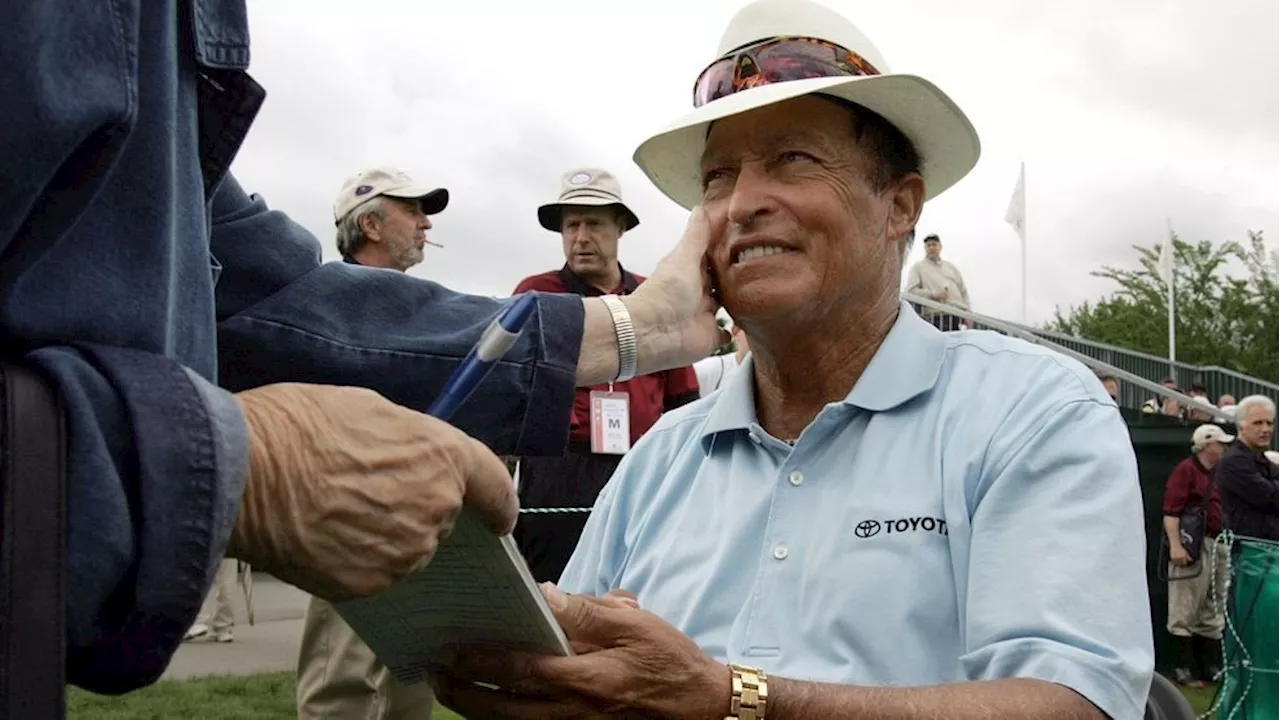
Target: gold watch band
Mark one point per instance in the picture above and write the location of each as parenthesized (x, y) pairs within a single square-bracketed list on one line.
[(750, 693)]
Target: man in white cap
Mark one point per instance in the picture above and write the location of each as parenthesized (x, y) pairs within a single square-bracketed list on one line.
[(872, 518), (1197, 569), (591, 218), (383, 217)]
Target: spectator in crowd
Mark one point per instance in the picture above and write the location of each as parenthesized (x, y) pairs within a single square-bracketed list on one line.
[(863, 521), (713, 370), (1227, 404), (591, 218), (939, 280), (1245, 478), (1156, 404), (1112, 386), (1197, 584), (1167, 406), (381, 217), (217, 616), (1199, 411)]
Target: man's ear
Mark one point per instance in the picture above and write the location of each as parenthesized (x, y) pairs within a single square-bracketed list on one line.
[(369, 226), (906, 198)]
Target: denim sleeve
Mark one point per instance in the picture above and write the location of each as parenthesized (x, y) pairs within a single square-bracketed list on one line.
[(285, 316), (140, 554)]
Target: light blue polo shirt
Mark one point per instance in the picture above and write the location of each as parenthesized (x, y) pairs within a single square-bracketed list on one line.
[(970, 511)]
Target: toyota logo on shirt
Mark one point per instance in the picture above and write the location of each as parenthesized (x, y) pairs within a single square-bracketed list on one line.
[(871, 528)]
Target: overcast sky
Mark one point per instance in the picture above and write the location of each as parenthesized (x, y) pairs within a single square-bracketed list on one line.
[(1124, 112)]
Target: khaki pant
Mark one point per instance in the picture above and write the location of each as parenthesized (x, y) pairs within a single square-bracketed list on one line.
[(1197, 594), (217, 612), (340, 679)]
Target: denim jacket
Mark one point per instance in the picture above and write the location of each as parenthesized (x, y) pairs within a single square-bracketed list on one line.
[(144, 283)]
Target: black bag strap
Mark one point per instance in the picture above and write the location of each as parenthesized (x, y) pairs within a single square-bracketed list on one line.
[(33, 523), (1208, 494)]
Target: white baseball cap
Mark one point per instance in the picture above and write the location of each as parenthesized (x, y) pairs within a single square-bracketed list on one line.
[(387, 181), (1208, 433)]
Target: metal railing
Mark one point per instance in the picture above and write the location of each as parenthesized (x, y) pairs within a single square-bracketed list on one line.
[(1218, 381), (1137, 378)]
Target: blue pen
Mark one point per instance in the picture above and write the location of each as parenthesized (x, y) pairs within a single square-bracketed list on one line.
[(497, 339)]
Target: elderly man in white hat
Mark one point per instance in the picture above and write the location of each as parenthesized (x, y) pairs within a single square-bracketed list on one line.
[(382, 218), (591, 218), (872, 518)]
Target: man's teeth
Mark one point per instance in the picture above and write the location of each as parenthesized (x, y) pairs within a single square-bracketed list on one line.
[(758, 252)]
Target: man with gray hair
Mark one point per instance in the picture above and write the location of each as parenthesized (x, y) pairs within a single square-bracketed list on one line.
[(383, 218), (1246, 479)]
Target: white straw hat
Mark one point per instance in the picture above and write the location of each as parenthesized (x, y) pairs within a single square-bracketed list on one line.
[(944, 138)]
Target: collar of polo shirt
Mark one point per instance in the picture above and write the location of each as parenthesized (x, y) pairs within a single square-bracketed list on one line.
[(907, 364)]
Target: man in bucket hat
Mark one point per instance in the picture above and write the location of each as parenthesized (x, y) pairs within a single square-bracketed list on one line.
[(872, 518), (591, 218)]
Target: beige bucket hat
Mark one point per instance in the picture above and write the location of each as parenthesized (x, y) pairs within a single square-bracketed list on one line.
[(945, 139), (586, 187), (387, 181)]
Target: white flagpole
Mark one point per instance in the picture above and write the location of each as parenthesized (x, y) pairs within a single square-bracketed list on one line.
[(1016, 215), (1022, 178), (1169, 282)]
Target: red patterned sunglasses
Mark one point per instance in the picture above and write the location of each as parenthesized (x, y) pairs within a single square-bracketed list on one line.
[(777, 60)]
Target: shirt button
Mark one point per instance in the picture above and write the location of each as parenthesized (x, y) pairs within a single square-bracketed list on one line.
[(780, 552), (796, 478), (754, 437)]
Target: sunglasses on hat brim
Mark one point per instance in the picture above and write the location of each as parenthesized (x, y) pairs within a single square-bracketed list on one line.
[(777, 60)]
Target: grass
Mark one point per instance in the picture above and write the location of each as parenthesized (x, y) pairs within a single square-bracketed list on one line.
[(257, 697), (254, 697)]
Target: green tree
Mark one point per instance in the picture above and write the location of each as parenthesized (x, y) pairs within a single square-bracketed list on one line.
[(1222, 318), (1257, 298)]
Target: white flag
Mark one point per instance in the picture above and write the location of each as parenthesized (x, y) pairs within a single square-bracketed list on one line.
[(1165, 264), (1016, 215)]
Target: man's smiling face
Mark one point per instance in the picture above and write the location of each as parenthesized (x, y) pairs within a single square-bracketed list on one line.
[(797, 226)]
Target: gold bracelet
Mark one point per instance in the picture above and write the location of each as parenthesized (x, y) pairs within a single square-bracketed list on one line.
[(750, 692)]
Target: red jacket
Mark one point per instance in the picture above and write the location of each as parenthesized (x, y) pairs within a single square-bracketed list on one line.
[(649, 395), (1185, 488)]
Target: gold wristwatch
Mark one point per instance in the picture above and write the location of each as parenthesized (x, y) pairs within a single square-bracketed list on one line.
[(750, 691)]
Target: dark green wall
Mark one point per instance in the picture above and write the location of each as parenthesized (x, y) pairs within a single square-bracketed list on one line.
[(1160, 443)]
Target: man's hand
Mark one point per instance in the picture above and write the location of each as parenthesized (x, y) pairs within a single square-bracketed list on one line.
[(1178, 555), (675, 310), (634, 665), (348, 492)]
